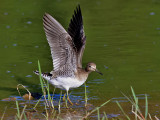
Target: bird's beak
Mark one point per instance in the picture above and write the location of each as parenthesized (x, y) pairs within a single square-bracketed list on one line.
[(98, 72)]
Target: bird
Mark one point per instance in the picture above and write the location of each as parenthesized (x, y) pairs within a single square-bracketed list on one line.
[(67, 49)]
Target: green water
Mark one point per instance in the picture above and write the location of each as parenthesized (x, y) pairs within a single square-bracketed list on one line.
[(123, 39)]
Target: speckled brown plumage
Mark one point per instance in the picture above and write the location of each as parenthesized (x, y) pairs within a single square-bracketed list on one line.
[(67, 50)]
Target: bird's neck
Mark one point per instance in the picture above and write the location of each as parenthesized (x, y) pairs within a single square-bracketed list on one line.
[(82, 74), (86, 70)]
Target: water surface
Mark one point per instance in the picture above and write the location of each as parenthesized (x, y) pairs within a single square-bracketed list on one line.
[(123, 39)]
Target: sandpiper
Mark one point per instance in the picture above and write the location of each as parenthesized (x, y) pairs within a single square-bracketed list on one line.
[(67, 50)]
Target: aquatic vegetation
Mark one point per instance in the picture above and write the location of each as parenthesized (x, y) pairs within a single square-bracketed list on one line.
[(53, 111), (20, 116), (135, 107)]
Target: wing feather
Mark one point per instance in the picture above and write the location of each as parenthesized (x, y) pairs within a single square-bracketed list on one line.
[(63, 55), (76, 31)]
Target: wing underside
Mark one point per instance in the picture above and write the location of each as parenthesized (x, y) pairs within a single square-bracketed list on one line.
[(63, 55), (66, 48)]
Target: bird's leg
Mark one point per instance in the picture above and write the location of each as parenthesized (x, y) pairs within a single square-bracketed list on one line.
[(69, 99), (64, 97), (66, 100)]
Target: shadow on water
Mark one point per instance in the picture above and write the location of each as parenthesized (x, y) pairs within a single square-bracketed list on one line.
[(76, 111), (37, 103)]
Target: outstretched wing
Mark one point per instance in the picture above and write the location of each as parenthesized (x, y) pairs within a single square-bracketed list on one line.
[(60, 42), (76, 31)]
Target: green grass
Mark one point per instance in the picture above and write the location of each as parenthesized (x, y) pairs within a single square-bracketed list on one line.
[(122, 110), (3, 113), (19, 116), (135, 107), (86, 97), (46, 92), (51, 113), (96, 109)]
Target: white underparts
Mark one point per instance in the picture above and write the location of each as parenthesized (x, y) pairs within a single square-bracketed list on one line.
[(64, 82)]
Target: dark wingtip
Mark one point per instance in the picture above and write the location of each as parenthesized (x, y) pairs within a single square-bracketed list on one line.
[(75, 29), (78, 7)]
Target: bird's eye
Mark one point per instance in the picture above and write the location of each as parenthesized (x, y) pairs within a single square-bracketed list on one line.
[(89, 66)]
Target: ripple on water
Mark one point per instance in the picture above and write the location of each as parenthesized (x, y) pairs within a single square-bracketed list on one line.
[(28, 76), (29, 62), (112, 115), (5, 46), (6, 13), (152, 13), (124, 99), (106, 67), (29, 22), (15, 44), (8, 26), (97, 81), (8, 71)]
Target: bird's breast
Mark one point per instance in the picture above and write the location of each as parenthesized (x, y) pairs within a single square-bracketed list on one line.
[(81, 75), (66, 82)]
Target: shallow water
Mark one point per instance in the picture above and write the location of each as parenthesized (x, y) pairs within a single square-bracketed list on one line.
[(123, 39)]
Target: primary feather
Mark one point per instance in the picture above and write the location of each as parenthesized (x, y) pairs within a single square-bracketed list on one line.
[(76, 31), (64, 59), (66, 48)]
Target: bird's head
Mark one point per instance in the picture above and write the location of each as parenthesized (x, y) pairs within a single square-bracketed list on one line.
[(92, 67)]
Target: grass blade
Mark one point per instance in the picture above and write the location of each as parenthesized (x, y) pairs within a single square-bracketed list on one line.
[(25, 117), (48, 90), (4, 113), (42, 82), (135, 98), (37, 103), (98, 114), (136, 104), (133, 103), (96, 109), (40, 77), (23, 112), (86, 98), (18, 112), (105, 116), (146, 110), (122, 110)]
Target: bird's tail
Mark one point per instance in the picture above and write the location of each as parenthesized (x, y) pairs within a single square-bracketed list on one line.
[(36, 72), (46, 76)]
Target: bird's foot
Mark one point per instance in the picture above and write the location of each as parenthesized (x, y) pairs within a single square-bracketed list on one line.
[(64, 97), (69, 101), (77, 103)]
